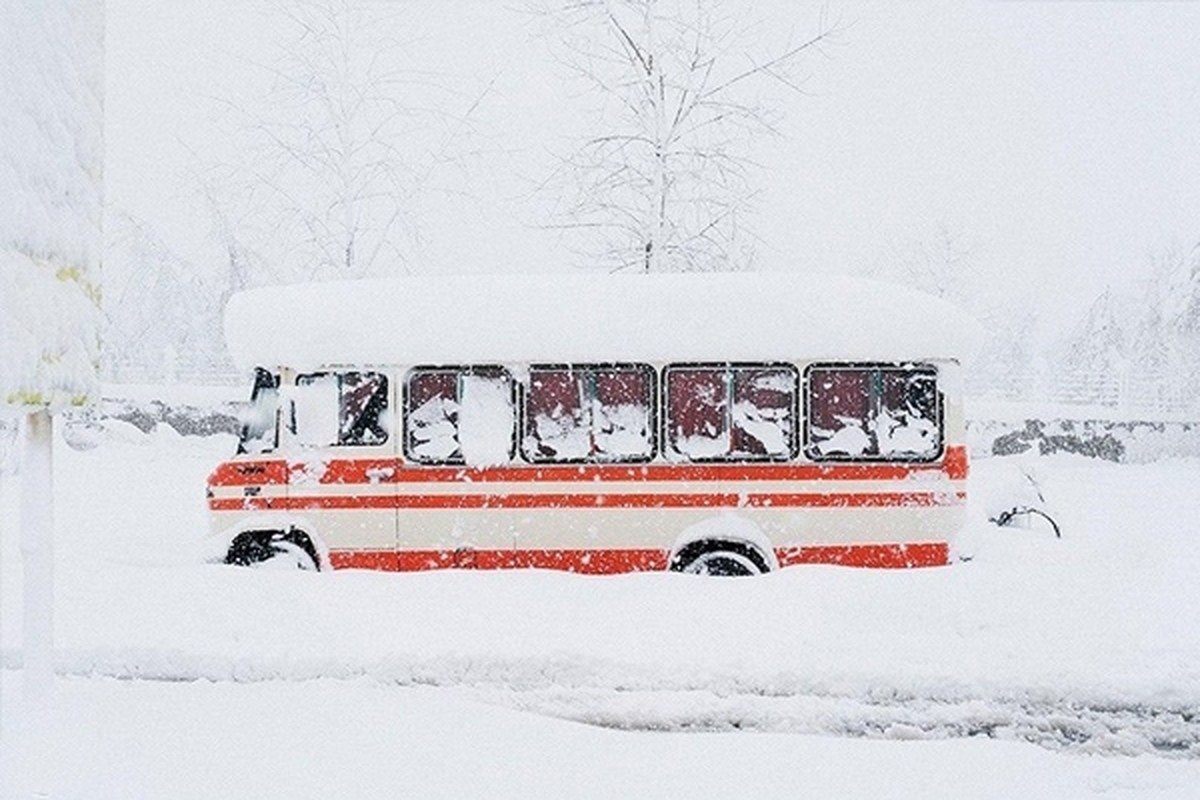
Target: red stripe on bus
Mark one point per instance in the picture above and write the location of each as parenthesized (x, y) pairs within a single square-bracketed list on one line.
[(880, 556), (663, 500), (886, 556), (248, 504), (386, 560), (393, 470)]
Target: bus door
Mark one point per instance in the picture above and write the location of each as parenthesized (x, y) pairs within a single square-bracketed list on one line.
[(342, 472)]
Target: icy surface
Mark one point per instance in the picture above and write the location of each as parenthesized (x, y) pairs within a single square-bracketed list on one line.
[(592, 318), (1004, 668)]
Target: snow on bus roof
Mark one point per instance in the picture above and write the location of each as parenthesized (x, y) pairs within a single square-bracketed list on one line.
[(581, 317)]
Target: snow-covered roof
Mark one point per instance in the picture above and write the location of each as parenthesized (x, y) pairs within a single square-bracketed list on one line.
[(588, 318)]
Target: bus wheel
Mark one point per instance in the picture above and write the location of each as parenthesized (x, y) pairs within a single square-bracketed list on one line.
[(724, 559), (286, 550)]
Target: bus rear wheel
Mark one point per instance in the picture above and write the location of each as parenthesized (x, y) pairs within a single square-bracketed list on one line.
[(284, 550), (721, 559)]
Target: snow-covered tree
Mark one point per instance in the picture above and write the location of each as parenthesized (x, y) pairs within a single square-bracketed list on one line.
[(337, 152), (163, 317), (940, 260), (665, 180), (1142, 346), (1166, 340), (51, 157), (1100, 342), (51, 151)]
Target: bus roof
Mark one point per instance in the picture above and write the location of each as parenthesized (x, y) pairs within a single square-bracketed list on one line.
[(582, 317)]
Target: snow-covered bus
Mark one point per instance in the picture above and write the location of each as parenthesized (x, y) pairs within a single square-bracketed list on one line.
[(709, 423)]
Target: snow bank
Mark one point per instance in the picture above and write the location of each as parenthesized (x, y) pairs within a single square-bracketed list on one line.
[(1075, 643), (592, 318), (328, 738)]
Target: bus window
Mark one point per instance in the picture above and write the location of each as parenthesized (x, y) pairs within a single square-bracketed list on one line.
[(762, 415), (259, 432), (459, 415), (340, 408), (873, 412), (600, 413), (722, 412)]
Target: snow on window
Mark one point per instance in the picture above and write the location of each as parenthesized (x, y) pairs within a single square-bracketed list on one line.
[(346, 408), (432, 416), (314, 402), (585, 412), (485, 428), (459, 415), (731, 411), (873, 412)]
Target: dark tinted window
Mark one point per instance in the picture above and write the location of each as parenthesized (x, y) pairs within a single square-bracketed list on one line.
[(731, 411), (873, 412), (588, 412)]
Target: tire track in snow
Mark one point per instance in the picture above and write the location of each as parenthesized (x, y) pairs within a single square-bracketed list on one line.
[(636, 698), (1100, 728)]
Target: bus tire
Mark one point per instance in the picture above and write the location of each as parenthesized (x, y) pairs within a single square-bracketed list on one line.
[(720, 558), (291, 549)]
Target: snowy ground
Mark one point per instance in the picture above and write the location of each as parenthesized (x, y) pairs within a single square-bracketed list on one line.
[(1039, 667)]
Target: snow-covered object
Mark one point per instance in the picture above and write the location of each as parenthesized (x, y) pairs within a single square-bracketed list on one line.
[(48, 334), (593, 318), (51, 155), (486, 416)]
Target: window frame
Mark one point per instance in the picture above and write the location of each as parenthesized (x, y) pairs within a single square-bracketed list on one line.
[(652, 410), (671, 453), (386, 423), (919, 367), (458, 370)]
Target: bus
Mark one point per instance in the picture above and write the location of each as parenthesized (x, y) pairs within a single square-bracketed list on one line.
[(720, 423)]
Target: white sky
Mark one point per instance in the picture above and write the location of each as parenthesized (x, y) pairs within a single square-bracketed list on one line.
[(1059, 140)]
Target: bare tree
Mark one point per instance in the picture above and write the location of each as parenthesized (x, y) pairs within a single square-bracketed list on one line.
[(666, 180), (940, 260), (339, 150)]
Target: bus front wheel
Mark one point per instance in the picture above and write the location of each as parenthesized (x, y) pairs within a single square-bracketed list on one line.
[(291, 549)]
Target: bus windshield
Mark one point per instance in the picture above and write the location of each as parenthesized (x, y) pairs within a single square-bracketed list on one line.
[(258, 433)]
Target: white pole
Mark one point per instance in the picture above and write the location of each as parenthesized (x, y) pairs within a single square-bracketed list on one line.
[(37, 554), (4, 462)]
